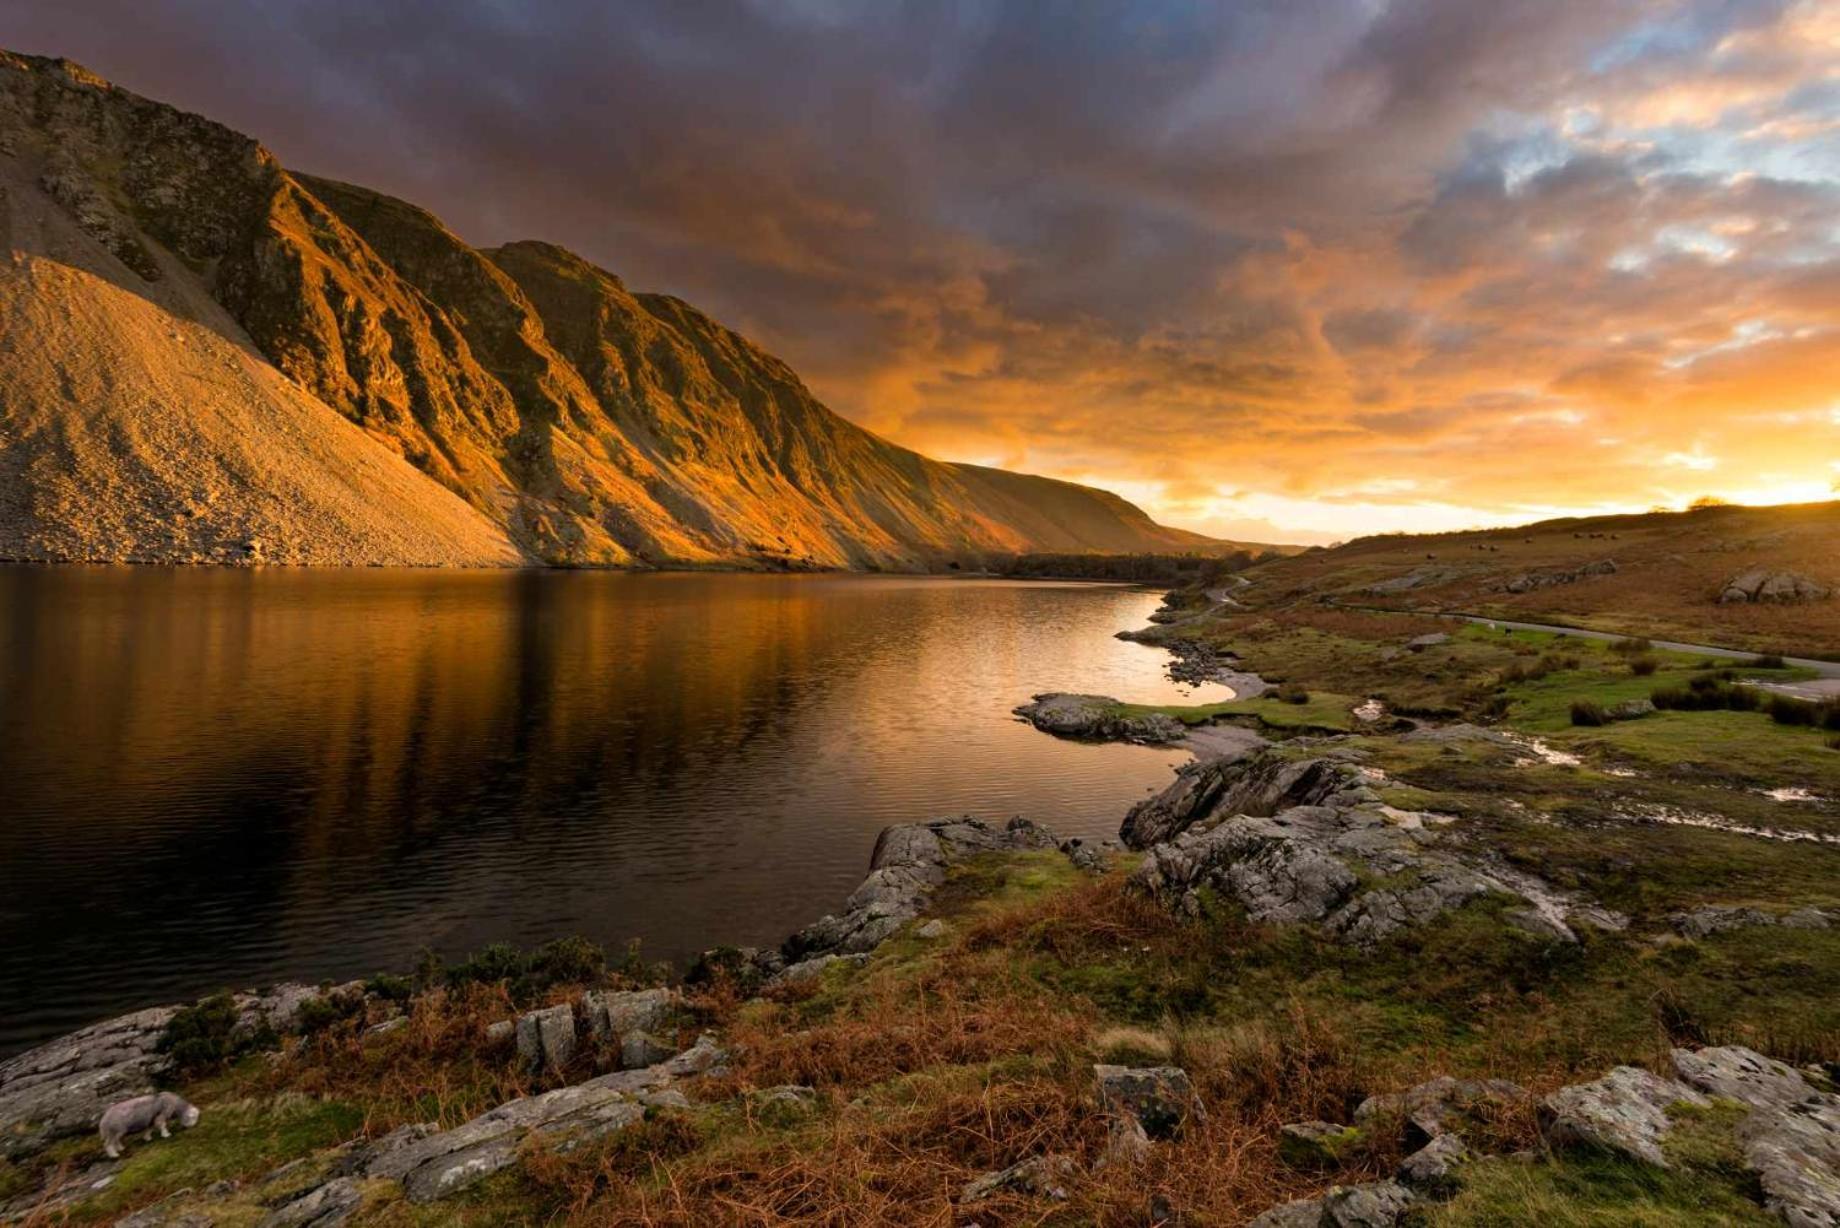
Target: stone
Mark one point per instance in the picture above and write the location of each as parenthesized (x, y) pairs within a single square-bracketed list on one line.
[(908, 865), (612, 1014), (807, 971), (546, 1038), (932, 931), (1432, 1169), (1760, 585), (60, 1088), (1625, 1112), (1046, 1176), (446, 1163), (1376, 1204), (641, 1049), (1718, 919), (1159, 1098), (1316, 1144), (1434, 1108), (784, 1104), (323, 1206), (1099, 718), (1263, 783), (1085, 855), (1422, 642), (501, 1032), (1790, 1140)]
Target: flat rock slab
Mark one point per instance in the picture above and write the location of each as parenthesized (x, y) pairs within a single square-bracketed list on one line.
[(61, 1088), (1098, 718), (1625, 1112)]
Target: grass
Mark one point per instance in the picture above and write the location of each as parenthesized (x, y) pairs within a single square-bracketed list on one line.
[(1298, 711)]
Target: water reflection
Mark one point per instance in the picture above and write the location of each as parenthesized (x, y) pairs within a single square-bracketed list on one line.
[(213, 777)]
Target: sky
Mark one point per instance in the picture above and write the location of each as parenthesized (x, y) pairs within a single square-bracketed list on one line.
[(1296, 270)]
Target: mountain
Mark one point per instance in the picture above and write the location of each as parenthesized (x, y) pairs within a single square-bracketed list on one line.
[(210, 357)]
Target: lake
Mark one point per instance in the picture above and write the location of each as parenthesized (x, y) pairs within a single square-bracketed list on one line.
[(215, 778)]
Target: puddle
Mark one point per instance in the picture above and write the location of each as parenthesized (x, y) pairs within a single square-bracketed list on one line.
[(1374, 775), (1621, 773), (1545, 753), (1712, 822), (1372, 710), (1790, 795)]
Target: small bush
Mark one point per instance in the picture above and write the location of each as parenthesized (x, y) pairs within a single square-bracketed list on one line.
[(1767, 660), (201, 1038), (1293, 693), (1705, 694), (1642, 667), (1833, 744), (1589, 712), (527, 974), (1636, 647), (390, 987)]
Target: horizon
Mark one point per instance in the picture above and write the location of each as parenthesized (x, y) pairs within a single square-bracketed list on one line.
[(1289, 276)]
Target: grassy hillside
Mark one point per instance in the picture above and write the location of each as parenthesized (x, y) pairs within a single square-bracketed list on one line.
[(1669, 570)]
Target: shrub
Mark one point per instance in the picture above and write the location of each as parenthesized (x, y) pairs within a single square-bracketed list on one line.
[(1293, 693), (1642, 667), (1705, 694), (393, 988), (1767, 660), (202, 1037), (1589, 712), (566, 961), (1788, 710), (1634, 647), (1833, 744)]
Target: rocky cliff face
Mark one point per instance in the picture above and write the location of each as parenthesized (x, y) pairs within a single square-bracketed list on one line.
[(588, 424)]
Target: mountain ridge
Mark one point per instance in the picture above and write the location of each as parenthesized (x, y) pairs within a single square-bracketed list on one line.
[(581, 422)]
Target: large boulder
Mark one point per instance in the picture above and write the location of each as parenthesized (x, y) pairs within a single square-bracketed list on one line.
[(1259, 784), (546, 1038), (908, 865), (1791, 1139), (1159, 1099), (1762, 585), (1625, 1112), (61, 1088)]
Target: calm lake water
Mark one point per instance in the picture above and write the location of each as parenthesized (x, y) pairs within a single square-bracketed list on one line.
[(225, 778)]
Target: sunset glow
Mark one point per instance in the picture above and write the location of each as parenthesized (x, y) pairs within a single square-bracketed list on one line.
[(1288, 272)]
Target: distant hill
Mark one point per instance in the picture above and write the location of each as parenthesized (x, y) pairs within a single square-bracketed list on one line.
[(208, 357), (1757, 577)]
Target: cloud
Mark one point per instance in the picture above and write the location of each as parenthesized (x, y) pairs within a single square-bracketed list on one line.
[(1365, 262)]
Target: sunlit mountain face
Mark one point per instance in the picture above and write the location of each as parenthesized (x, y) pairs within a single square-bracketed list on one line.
[(1285, 271)]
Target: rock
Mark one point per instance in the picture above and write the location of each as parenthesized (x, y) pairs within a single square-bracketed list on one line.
[(1159, 1098), (1534, 580), (1348, 868), (1039, 1176), (1418, 577), (1791, 1140), (642, 1049), (446, 1163), (1098, 718), (784, 1104), (1761, 585), (1092, 858), (1806, 919), (62, 1087), (396, 1024), (373, 1158), (1126, 1143), (1422, 642), (501, 1032), (325, 1205), (932, 931), (908, 864), (611, 1014), (1316, 1144), (1438, 1106), (807, 971), (1624, 1112), (1260, 784), (1718, 919), (546, 1038), (1432, 1169), (1630, 710), (1375, 1205)]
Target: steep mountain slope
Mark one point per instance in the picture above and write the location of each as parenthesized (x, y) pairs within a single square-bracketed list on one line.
[(590, 424)]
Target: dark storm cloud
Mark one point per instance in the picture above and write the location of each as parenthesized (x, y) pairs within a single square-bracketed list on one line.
[(1287, 234)]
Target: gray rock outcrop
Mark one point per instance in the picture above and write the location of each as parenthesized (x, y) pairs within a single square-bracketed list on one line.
[(1378, 1204), (546, 1038), (909, 863), (1098, 718), (1625, 1112), (61, 1088), (1791, 1139), (1259, 784), (1438, 1106), (1533, 581), (1760, 585), (1039, 1176)]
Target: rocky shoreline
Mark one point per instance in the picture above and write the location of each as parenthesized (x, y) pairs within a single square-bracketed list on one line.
[(1293, 833)]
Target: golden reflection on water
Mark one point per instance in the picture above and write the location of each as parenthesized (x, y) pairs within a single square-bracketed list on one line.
[(232, 776)]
